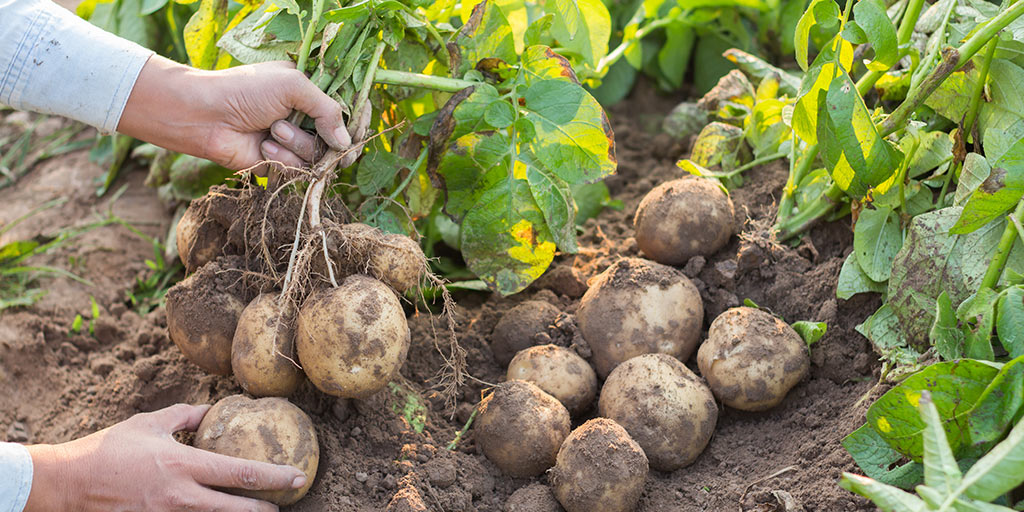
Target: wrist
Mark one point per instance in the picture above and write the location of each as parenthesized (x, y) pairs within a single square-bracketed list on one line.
[(52, 481)]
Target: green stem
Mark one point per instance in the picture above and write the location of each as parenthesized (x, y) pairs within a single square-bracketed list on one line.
[(910, 17), (458, 435), (437, 83), (414, 170), (995, 267), (902, 176), (941, 200), (979, 88), (620, 50), (753, 163), (364, 91), (800, 168), (810, 214), (307, 37)]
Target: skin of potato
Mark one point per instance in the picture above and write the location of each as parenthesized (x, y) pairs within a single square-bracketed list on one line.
[(268, 430), (201, 321), (516, 329), (751, 359), (200, 240), (398, 261), (559, 372), (262, 332), (683, 218), (520, 428), (664, 406), (351, 340), (599, 467), (637, 307)]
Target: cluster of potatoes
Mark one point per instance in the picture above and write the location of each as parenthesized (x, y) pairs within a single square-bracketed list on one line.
[(641, 319), (349, 340)]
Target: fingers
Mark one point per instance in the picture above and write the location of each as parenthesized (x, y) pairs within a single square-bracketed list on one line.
[(306, 97), (218, 470), (295, 140), (274, 152), (176, 417), (202, 498)]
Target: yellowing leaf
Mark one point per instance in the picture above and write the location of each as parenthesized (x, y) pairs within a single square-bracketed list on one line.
[(202, 32)]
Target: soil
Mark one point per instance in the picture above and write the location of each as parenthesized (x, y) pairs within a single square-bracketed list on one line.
[(387, 448)]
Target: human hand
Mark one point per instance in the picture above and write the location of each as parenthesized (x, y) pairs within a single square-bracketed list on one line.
[(137, 465), (225, 116)]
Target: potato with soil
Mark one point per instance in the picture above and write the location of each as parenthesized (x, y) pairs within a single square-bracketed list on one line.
[(396, 260), (268, 430), (202, 231), (518, 329), (637, 307), (558, 371), (263, 348), (599, 467), (202, 314), (520, 428), (664, 406), (751, 359), (351, 340), (683, 218)]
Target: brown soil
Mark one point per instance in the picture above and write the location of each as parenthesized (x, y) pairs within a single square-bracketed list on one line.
[(58, 386)]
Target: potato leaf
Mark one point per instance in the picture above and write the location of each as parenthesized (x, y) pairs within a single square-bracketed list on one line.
[(876, 239), (1010, 321), (853, 279), (582, 26), (875, 457), (974, 172), (810, 332), (871, 17), (940, 468), (819, 12), (202, 32), (945, 333), (885, 497), (997, 194), (1000, 471), (977, 316), (487, 34)]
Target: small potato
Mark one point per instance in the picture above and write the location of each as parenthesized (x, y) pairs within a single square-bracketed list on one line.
[(751, 359), (683, 218), (263, 349), (558, 371), (398, 261), (202, 314), (352, 339), (200, 239), (637, 307), (599, 468), (518, 327), (520, 427), (665, 407), (268, 430)]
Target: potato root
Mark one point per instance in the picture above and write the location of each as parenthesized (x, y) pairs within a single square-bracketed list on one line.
[(520, 428), (751, 359), (599, 467), (558, 371), (263, 349), (683, 218)]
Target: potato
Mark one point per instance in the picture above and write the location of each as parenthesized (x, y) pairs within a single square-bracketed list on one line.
[(599, 467), (200, 239), (202, 313), (398, 261), (263, 349), (517, 328), (637, 307), (683, 218), (352, 339), (665, 407), (558, 371), (752, 359), (520, 427), (268, 430)]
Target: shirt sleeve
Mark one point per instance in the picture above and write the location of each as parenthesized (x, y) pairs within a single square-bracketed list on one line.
[(54, 62), (15, 477)]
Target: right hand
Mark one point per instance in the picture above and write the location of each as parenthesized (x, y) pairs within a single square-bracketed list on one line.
[(137, 465)]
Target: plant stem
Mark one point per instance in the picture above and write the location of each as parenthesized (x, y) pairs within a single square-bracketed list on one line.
[(437, 83), (800, 168), (753, 163), (458, 435), (810, 214), (364, 91), (620, 50), (979, 88), (995, 267), (307, 38)]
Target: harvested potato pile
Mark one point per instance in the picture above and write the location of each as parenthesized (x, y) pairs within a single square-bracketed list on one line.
[(667, 409), (683, 218), (268, 430), (520, 428), (558, 371), (637, 307), (751, 359), (599, 467)]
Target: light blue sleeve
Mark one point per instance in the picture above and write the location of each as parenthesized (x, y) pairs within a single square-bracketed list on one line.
[(15, 477), (54, 62)]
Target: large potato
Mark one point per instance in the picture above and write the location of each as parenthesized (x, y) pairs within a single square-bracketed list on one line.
[(268, 430), (202, 313), (520, 428), (352, 339), (666, 409), (639, 307), (263, 349), (517, 328), (683, 218), (599, 468), (398, 261), (558, 371), (752, 359)]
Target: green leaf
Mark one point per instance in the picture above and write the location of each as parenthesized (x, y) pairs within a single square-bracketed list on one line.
[(1010, 321), (974, 172), (977, 313), (824, 12), (858, 157), (250, 43), (874, 456), (871, 16), (811, 332), (16, 251), (1000, 471), (885, 497), (945, 333), (949, 100), (718, 144), (76, 324), (202, 32), (377, 170), (933, 151), (999, 407), (876, 239), (853, 279), (582, 26), (555, 200), (674, 55), (999, 193), (487, 34), (591, 198), (538, 32), (500, 114), (940, 469), (759, 69), (616, 83)]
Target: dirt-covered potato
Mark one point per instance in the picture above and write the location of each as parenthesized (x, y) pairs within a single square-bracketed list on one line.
[(664, 406), (518, 327), (202, 313), (683, 218), (637, 307), (520, 428), (558, 371), (398, 261), (268, 430), (352, 339), (263, 349), (751, 359), (200, 239), (599, 467)]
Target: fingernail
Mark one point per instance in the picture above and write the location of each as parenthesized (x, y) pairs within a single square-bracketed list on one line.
[(269, 149), (341, 135), (283, 132), (299, 482)]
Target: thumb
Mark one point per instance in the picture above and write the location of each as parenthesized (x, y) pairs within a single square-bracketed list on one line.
[(177, 417)]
